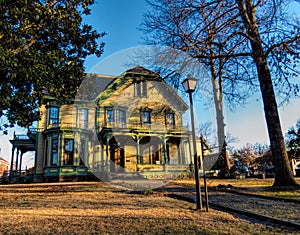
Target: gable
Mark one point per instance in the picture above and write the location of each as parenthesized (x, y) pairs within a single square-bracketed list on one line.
[(122, 90)]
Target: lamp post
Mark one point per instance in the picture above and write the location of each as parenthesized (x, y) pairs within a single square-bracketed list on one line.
[(189, 85), (204, 175)]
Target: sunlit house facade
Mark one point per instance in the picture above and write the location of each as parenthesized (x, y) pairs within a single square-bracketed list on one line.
[(116, 125)]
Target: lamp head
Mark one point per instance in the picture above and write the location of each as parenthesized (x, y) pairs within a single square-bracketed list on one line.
[(189, 84)]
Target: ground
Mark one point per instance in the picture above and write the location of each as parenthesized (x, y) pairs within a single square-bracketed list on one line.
[(97, 208)]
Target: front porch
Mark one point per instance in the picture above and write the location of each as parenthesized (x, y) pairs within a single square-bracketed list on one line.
[(145, 153)]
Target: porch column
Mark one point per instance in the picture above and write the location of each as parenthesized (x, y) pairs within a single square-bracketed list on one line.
[(107, 153), (61, 150), (76, 154), (138, 152), (165, 152), (182, 153), (95, 158), (100, 167), (190, 151), (180, 158)]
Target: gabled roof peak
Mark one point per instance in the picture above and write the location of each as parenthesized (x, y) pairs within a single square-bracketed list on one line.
[(140, 69)]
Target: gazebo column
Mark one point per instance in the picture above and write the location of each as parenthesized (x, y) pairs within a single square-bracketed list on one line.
[(17, 160), (11, 163), (21, 158)]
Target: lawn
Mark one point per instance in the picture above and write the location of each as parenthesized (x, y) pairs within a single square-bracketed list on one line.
[(251, 185), (97, 208)]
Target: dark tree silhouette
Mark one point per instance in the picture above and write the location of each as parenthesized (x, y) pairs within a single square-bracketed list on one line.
[(42, 50)]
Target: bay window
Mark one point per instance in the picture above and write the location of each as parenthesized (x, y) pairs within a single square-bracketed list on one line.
[(68, 152), (54, 152)]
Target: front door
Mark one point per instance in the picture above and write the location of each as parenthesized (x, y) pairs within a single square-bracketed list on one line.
[(117, 158)]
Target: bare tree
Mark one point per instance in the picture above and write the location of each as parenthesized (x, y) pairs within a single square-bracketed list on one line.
[(238, 40), (189, 27)]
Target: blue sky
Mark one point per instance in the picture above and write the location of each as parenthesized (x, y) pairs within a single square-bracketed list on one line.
[(120, 19)]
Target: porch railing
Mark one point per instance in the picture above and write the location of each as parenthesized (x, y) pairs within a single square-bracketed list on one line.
[(146, 126)]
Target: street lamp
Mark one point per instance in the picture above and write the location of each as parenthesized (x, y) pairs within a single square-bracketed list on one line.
[(189, 85)]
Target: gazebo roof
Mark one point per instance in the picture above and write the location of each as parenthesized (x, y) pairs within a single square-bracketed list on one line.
[(23, 142)]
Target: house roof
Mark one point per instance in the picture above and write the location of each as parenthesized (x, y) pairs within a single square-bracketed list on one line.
[(100, 87), (2, 160), (93, 85), (140, 69)]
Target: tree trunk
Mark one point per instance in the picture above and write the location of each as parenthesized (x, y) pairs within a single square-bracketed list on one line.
[(283, 172), (217, 89), (218, 101)]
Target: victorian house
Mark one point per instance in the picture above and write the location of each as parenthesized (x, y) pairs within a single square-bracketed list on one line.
[(124, 124)]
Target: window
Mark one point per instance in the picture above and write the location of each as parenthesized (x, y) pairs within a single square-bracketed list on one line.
[(54, 152), (140, 89), (170, 119), (53, 115), (146, 117), (46, 153), (122, 116), (83, 118), (110, 115), (69, 151)]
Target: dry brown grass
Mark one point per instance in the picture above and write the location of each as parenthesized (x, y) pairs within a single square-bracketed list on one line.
[(96, 208), (252, 185), (248, 182)]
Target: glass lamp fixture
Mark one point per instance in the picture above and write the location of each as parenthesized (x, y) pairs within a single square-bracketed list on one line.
[(189, 84)]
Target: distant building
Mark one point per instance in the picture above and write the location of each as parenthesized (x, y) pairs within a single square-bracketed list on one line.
[(3, 166), (295, 164), (130, 123)]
